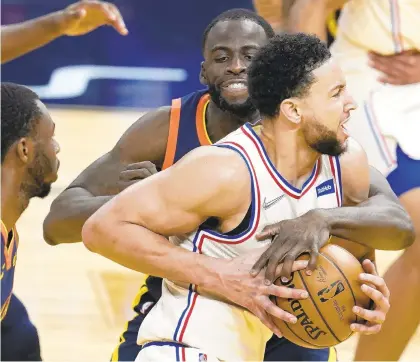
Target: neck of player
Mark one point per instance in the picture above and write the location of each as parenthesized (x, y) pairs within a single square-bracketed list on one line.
[(220, 123), (13, 200), (288, 151)]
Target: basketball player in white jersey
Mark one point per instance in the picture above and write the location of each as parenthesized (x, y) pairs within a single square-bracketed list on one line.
[(217, 198), (387, 124)]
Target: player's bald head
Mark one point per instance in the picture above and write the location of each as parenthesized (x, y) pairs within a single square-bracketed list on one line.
[(238, 15)]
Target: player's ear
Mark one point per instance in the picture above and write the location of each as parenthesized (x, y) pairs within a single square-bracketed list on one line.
[(24, 149), (291, 110), (203, 78)]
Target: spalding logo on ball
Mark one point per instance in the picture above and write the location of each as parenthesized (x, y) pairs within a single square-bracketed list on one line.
[(325, 317)]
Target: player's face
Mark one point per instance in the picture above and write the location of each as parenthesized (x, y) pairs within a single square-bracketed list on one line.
[(43, 169), (228, 52), (326, 110)]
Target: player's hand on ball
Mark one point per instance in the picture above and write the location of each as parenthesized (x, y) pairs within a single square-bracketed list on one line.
[(252, 293), (84, 16), (135, 172), (379, 293), (307, 233)]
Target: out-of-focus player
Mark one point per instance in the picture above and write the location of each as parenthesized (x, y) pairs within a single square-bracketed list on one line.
[(387, 124), (77, 19), (217, 198), (29, 166)]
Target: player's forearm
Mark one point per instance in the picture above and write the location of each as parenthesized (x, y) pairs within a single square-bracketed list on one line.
[(68, 214), (19, 39), (309, 16), (140, 249), (377, 223)]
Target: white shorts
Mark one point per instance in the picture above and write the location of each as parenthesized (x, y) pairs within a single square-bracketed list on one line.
[(161, 351)]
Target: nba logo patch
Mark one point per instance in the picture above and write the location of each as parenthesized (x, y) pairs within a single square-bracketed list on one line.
[(202, 357), (325, 188)]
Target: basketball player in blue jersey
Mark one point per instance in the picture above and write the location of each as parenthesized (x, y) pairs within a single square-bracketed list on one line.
[(29, 166), (163, 136), (300, 92)]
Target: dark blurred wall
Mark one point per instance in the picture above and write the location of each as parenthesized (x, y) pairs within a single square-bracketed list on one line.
[(163, 34)]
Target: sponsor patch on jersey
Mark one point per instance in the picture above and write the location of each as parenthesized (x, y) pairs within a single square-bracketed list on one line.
[(325, 188)]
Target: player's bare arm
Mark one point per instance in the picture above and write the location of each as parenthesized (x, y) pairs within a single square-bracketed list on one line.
[(77, 19), (373, 218), (129, 161), (209, 181)]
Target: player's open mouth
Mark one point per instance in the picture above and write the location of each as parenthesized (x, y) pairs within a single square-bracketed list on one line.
[(343, 125)]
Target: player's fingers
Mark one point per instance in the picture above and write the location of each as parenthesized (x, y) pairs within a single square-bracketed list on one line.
[(117, 20), (129, 175), (312, 261), (284, 292), (297, 265), (268, 232), (386, 79), (286, 271), (260, 263), (373, 316), (369, 267), (144, 164), (377, 282), (384, 67), (378, 298), (365, 329), (277, 312), (273, 266), (268, 322)]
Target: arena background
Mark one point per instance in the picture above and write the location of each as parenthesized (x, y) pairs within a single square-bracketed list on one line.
[(78, 300)]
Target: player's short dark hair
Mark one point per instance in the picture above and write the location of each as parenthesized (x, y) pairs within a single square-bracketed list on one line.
[(238, 14), (19, 112), (283, 68)]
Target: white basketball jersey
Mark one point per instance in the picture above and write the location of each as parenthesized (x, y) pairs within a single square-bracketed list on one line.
[(220, 329), (384, 26), (387, 114)]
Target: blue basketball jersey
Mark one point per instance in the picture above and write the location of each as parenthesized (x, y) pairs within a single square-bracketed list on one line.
[(187, 127), (9, 244)]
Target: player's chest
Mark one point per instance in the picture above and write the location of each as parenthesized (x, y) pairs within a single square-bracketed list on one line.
[(276, 204)]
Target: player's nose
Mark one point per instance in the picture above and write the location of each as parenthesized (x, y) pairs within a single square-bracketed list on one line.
[(350, 103), (236, 66)]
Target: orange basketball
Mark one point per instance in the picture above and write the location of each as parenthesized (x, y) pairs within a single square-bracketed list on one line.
[(325, 317)]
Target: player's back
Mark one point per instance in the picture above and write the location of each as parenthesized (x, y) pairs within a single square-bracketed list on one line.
[(222, 330), (9, 244)]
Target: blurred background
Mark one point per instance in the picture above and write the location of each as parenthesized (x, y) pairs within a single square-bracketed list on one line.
[(96, 86), (157, 62)]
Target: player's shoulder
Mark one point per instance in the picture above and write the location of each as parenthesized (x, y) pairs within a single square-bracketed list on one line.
[(222, 165), (220, 159), (355, 172), (354, 153), (146, 138), (151, 121)]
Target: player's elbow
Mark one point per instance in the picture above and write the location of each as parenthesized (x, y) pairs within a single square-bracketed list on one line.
[(408, 233), (51, 226), (48, 231), (405, 235)]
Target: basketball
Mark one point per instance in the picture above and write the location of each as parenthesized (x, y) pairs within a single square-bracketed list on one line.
[(324, 318)]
